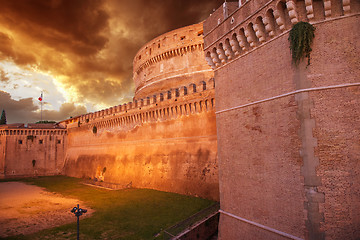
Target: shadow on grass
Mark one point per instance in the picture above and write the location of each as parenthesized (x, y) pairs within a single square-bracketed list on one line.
[(119, 214)]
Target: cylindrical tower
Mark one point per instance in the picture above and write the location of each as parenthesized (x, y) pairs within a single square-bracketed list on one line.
[(173, 59)]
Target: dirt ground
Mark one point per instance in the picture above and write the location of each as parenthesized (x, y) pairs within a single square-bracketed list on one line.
[(26, 209)]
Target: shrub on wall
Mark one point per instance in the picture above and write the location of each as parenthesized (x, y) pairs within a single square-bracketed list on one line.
[(301, 37)]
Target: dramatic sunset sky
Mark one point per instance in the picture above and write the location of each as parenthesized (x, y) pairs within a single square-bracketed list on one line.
[(79, 52)]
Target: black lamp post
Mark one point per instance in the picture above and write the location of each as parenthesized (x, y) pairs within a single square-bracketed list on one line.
[(78, 212)]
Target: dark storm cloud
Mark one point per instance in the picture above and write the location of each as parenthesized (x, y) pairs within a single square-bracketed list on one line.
[(24, 110), (7, 51), (151, 18), (65, 25), (91, 43)]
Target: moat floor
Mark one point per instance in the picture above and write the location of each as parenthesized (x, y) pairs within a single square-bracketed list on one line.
[(26, 209)]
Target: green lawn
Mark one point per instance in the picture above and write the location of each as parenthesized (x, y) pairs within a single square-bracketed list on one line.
[(121, 214)]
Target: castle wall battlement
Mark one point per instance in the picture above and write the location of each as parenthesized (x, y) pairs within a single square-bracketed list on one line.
[(154, 114), (257, 23), (181, 100)]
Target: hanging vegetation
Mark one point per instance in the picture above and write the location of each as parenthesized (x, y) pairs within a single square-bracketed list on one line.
[(94, 129), (301, 37)]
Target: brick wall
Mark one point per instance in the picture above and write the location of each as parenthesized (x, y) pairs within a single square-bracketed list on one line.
[(288, 163)]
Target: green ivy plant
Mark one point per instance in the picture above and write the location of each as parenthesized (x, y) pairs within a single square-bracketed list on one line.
[(301, 37)]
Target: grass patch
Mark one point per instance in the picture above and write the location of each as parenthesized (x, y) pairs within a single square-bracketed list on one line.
[(121, 214)]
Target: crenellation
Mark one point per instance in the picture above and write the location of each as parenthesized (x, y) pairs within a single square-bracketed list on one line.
[(169, 94), (128, 107), (158, 113), (192, 88)]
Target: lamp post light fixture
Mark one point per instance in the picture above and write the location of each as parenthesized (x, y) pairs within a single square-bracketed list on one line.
[(77, 211)]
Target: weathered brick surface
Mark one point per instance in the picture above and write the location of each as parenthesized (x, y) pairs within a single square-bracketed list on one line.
[(305, 145), (337, 130), (335, 56), (335, 60), (260, 167)]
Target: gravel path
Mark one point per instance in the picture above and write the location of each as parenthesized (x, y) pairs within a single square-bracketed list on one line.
[(26, 209)]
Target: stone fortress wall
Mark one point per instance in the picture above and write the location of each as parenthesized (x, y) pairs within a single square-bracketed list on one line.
[(33, 150), (288, 137), (166, 138)]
